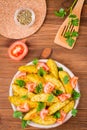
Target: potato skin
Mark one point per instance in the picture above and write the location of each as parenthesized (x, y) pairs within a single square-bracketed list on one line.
[(35, 78), (30, 115), (57, 106), (16, 100), (29, 69), (68, 107), (43, 98), (21, 91), (56, 82), (53, 67), (47, 121), (68, 87)]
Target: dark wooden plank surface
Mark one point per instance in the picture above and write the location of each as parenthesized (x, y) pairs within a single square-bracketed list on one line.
[(75, 59)]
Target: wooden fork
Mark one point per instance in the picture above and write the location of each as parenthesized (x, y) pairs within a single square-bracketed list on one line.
[(60, 39)]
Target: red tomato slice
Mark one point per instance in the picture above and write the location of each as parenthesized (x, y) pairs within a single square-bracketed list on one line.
[(18, 50), (61, 119), (49, 87), (73, 81), (31, 87), (43, 113), (43, 65), (23, 108), (64, 96)]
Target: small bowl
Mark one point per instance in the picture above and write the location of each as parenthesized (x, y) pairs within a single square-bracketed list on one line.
[(69, 115), (18, 11)]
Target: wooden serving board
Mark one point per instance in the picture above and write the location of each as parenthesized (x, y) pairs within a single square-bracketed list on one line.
[(8, 26)]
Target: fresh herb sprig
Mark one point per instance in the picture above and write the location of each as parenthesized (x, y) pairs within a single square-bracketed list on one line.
[(63, 12), (73, 20), (74, 112)]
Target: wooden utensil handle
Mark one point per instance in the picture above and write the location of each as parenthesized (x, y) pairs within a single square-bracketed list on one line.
[(78, 7)]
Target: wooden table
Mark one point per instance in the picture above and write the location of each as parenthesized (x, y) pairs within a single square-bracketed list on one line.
[(75, 59)]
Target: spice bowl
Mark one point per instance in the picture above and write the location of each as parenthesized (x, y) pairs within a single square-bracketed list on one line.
[(24, 17)]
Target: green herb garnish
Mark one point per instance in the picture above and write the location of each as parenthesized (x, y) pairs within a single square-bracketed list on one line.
[(75, 22), (41, 72), (70, 41), (50, 98), (35, 61), (25, 97), (39, 88), (57, 114), (20, 83), (60, 68), (41, 105), (65, 79), (74, 112), (75, 95), (61, 13), (17, 114), (25, 123), (57, 92)]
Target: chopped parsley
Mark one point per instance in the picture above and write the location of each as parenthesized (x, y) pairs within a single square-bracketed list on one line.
[(39, 88), (20, 82), (41, 105), (61, 13), (25, 123), (75, 95), (57, 114), (66, 79), (41, 72), (57, 92), (60, 68), (17, 114), (35, 61), (25, 97), (74, 112), (50, 98)]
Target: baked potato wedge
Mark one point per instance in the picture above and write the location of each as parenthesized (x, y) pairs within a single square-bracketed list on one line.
[(53, 67), (35, 78), (57, 106), (68, 107), (30, 115), (22, 91), (47, 121), (19, 100), (56, 82), (44, 98), (29, 69), (65, 79)]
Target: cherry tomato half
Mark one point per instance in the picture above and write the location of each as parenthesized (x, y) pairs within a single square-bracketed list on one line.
[(18, 50)]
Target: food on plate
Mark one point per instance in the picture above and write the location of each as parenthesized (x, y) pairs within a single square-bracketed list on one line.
[(65, 79), (18, 50), (44, 93)]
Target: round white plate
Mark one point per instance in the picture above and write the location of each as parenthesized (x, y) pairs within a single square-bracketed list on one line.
[(69, 115)]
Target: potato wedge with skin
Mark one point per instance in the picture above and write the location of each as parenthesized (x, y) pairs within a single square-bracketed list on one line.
[(57, 106), (22, 91), (67, 108), (18, 100), (67, 85), (53, 67), (35, 78), (43, 98), (56, 82), (30, 115), (29, 69), (47, 121)]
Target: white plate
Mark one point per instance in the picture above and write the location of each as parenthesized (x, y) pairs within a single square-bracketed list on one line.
[(69, 115)]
